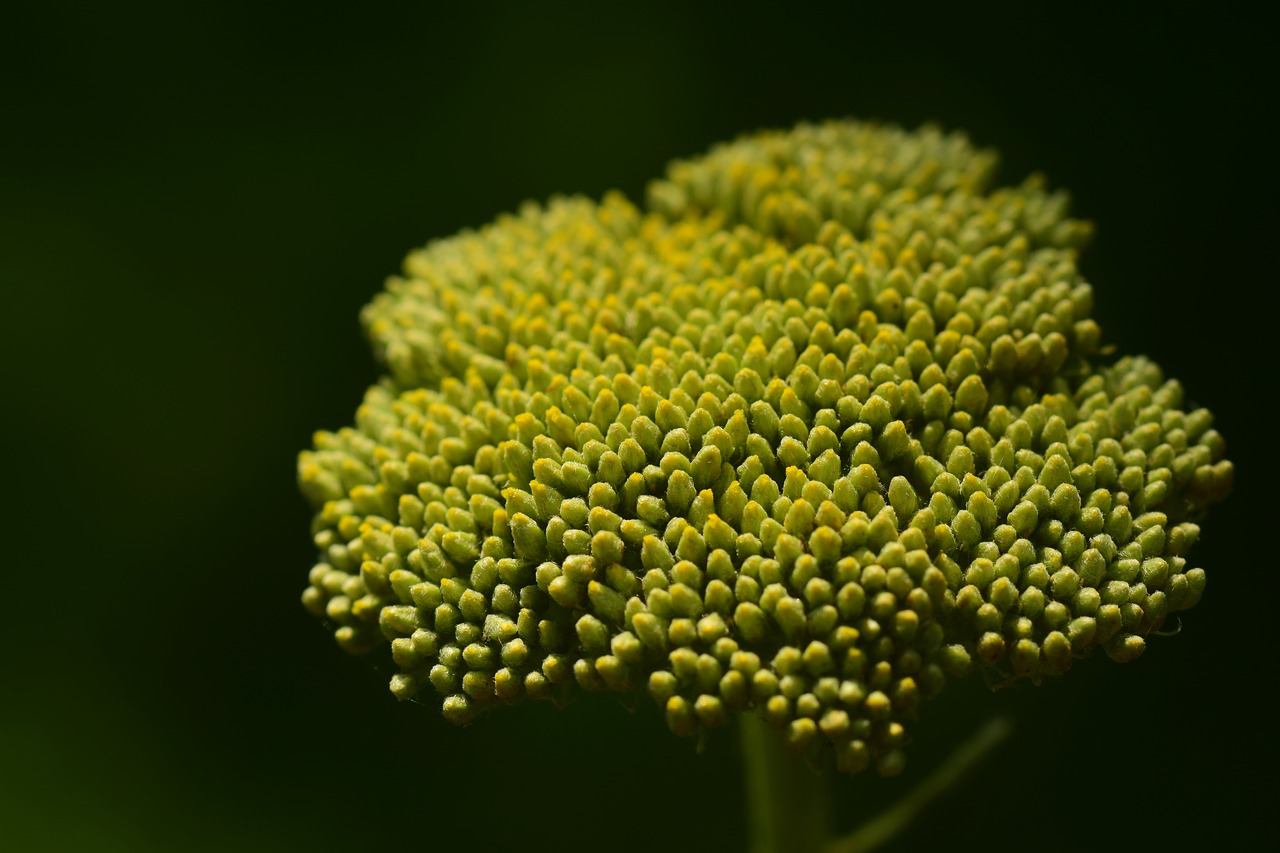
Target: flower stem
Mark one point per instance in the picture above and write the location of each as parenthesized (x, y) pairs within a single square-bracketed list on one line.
[(887, 825), (787, 801)]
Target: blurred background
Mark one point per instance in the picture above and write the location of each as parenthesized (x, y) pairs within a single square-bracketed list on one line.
[(196, 201)]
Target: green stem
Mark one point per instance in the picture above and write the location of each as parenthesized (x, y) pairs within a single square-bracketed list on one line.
[(787, 801), (886, 826)]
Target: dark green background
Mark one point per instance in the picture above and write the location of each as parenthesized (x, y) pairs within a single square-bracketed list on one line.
[(194, 205)]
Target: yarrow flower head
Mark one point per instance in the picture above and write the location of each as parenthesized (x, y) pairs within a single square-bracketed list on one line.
[(824, 423)]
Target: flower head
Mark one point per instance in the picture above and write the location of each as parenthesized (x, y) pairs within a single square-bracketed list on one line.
[(822, 425)]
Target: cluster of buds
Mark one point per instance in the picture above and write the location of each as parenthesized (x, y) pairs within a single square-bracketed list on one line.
[(822, 426)]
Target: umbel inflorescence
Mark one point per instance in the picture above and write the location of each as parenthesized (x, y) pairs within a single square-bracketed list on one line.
[(821, 425)]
